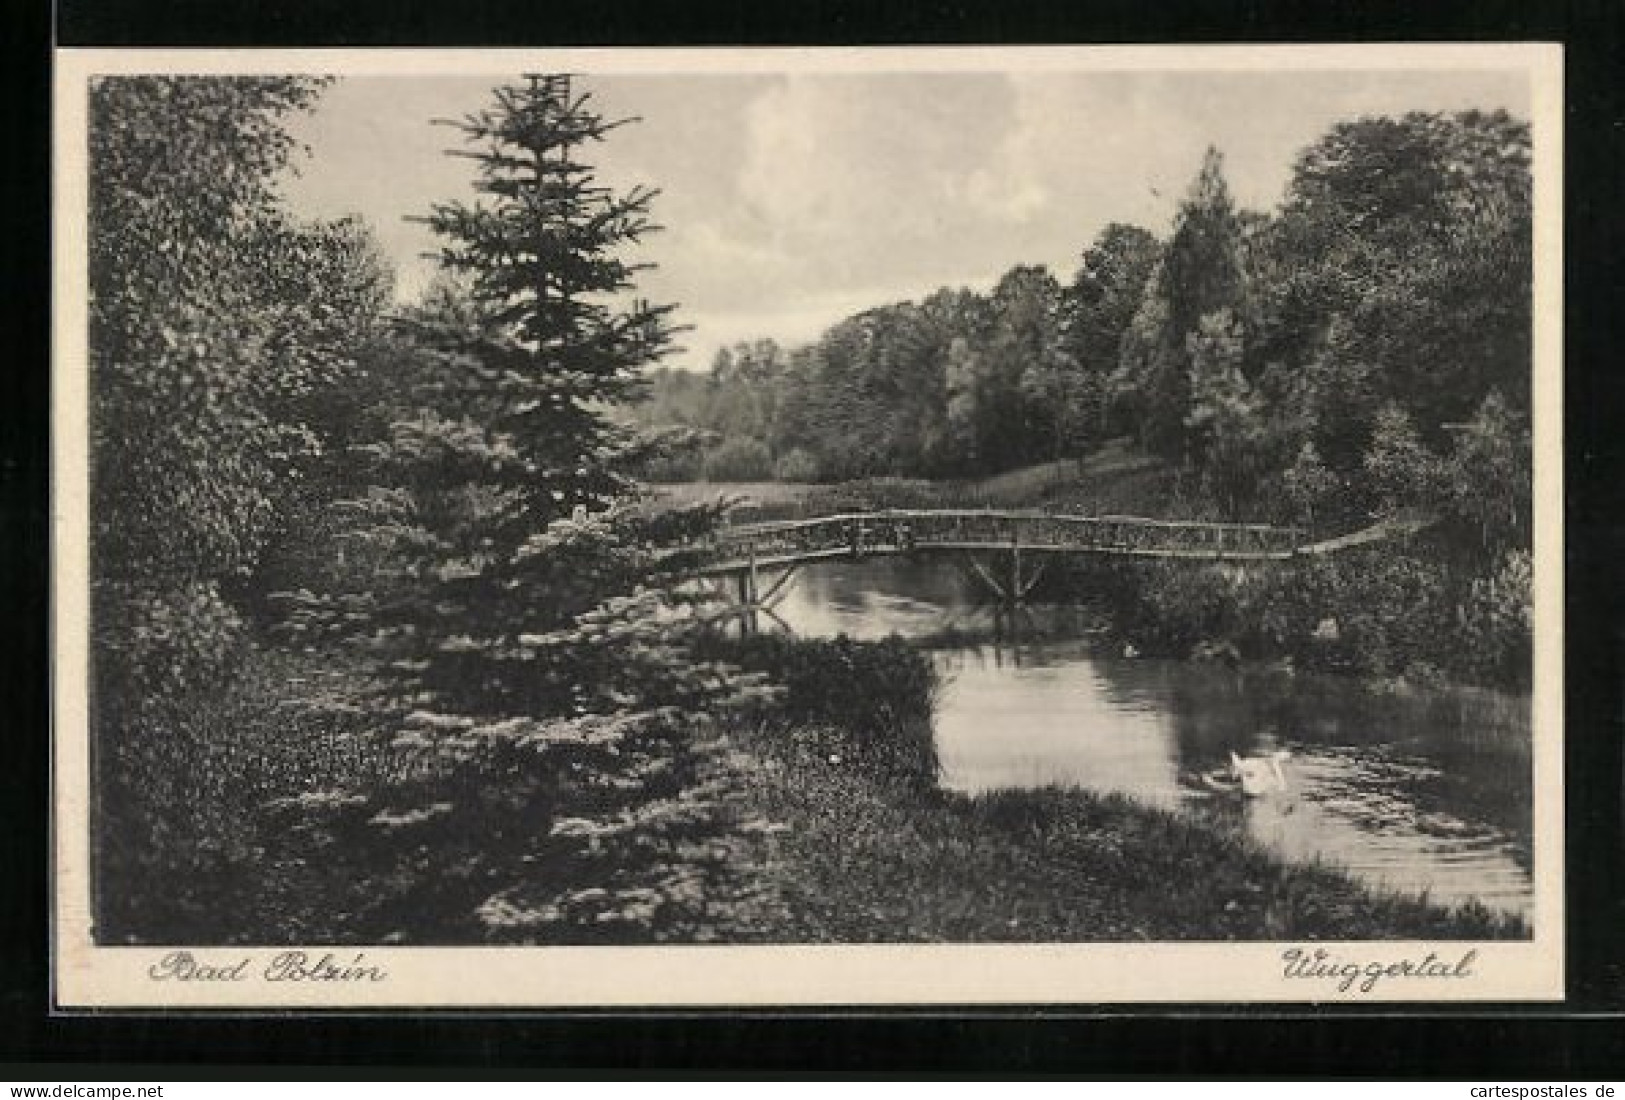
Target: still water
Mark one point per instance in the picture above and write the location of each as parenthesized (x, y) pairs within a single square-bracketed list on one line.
[(1430, 791)]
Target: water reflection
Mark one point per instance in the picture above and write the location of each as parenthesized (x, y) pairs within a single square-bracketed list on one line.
[(1020, 718), (1425, 792)]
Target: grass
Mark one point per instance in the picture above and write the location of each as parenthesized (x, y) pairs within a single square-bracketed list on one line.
[(1117, 478), (1113, 480)]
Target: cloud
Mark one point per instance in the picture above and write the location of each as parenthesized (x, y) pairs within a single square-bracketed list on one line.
[(860, 164), (792, 200), (1086, 149)]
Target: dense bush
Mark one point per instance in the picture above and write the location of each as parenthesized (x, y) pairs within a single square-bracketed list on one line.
[(739, 460), (1497, 623), (1383, 612), (219, 331), (200, 856), (870, 703), (796, 464)]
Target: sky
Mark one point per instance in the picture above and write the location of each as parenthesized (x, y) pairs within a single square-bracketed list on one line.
[(792, 200)]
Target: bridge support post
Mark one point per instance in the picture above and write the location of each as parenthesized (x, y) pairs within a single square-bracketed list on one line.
[(979, 571), (748, 602), (780, 588), (1015, 590)]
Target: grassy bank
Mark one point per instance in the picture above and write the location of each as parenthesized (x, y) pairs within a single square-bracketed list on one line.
[(877, 853), (1115, 479), (845, 836)]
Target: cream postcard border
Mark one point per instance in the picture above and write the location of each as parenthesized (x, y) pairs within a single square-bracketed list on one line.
[(86, 975)]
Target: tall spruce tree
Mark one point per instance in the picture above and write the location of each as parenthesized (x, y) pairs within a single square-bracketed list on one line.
[(542, 254), (511, 438), (557, 774)]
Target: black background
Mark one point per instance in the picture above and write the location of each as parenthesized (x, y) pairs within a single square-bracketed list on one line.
[(1583, 1038)]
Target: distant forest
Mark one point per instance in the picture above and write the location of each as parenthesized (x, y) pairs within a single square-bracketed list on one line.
[(1366, 345)]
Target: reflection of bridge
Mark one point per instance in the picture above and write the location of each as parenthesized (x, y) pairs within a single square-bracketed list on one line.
[(1007, 551)]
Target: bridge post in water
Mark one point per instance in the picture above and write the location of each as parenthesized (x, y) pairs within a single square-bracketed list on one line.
[(1015, 590), (747, 596)]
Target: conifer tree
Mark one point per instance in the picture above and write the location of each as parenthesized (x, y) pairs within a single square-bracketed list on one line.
[(508, 437), (556, 771), (543, 257)]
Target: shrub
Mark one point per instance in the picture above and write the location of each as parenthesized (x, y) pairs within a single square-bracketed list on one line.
[(1497, 622), (872, 701), (874, 493), (667, 469), (797, 464), (739, 460), (1394, 609), (220, 331), (189, 857)]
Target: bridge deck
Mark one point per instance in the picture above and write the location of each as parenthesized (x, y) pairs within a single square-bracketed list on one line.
[(805, 557), (787, 543)]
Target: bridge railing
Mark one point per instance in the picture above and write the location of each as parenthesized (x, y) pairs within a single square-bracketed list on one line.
[(904, 529)]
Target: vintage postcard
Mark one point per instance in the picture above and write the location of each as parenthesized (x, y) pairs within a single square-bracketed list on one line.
[(542, 528)]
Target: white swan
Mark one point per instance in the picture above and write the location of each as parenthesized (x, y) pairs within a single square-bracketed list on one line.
[(1253, 776), (1259, 775)]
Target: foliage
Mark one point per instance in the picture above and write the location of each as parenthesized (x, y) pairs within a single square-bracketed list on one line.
[(739, 459), (1400, 470), (1199, 276), (1225, 427), (796, 464), (1488, 477), (193, 863), (1400, 272), (1027, 391), (1383, 613), (865, 705), (217, 326), (219, 329), (1309, 484), (673, 453), (959, 383), (1497, 622)]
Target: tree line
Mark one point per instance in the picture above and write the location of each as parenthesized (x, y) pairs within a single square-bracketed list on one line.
[(1364, 346)]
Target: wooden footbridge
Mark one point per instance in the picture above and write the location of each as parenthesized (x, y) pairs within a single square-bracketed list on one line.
[(1008, 551)]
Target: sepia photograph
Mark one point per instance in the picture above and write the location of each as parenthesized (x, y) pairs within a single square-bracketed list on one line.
[(808, 526)]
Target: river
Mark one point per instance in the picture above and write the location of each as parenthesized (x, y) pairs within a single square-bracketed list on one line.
[(1424, 792)]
